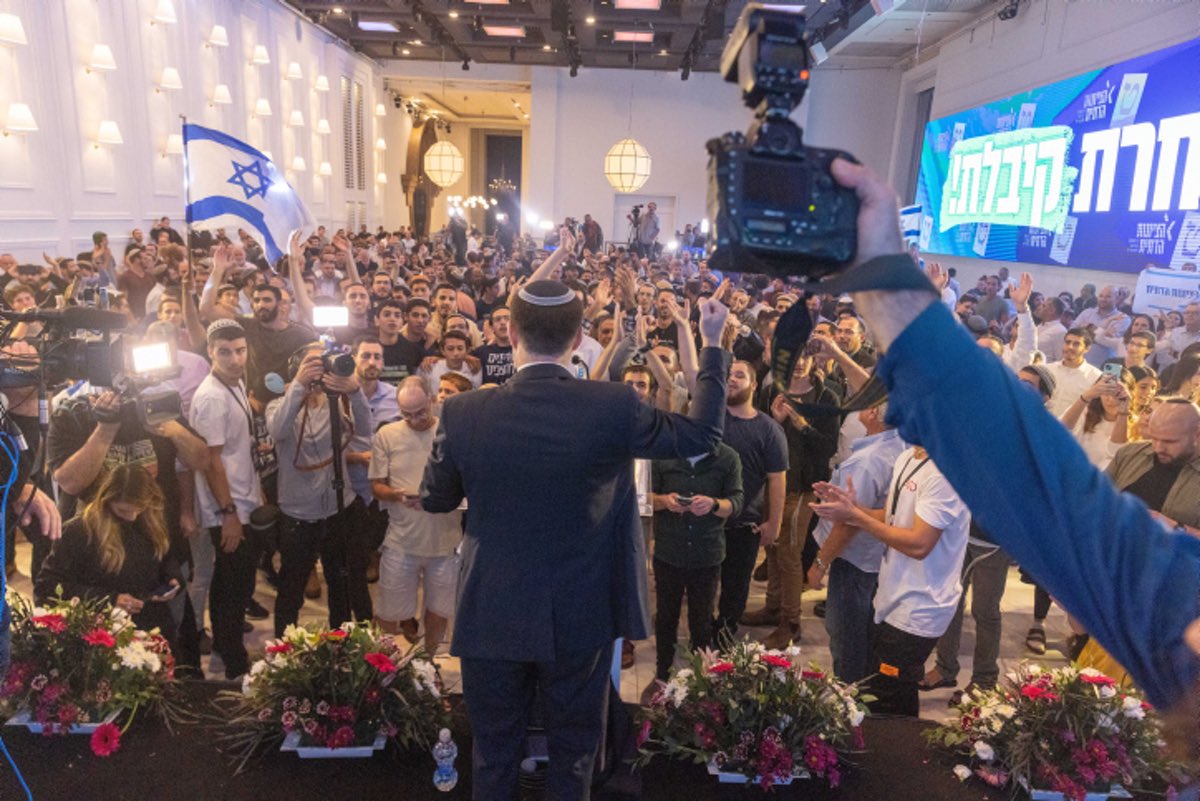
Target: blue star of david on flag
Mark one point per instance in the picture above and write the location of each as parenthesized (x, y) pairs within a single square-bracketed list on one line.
[(254, 169), (252, 195)]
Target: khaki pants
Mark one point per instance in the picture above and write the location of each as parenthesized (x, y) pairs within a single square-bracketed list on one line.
[(785, 581)]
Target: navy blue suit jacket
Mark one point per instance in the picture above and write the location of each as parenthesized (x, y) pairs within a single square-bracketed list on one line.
[(553, 557)]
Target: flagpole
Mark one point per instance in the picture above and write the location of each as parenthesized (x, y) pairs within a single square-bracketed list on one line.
[(187, 191)]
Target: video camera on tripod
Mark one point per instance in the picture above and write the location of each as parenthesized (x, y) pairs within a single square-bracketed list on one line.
[(123, 363)]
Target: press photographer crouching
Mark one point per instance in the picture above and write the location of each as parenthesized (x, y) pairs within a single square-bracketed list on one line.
[(119, 548), (321, 515)]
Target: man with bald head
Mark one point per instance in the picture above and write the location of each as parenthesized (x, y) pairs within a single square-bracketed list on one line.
[(1164, 471), (1108, 325), (419, 546)]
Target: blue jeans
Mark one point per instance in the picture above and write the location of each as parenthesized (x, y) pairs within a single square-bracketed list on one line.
[(849, 618)]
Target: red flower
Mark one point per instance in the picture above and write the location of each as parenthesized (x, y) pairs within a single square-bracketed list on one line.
[(279, 648), (722, 667), (381, 662), (99, 637), (811, 674), (1103, 681), (336, 634), (55, 622), (341, 738), (106, 739), (775, 660), (1034, 692)]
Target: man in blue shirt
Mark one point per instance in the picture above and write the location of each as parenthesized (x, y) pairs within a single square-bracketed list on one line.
[(1134, 585)]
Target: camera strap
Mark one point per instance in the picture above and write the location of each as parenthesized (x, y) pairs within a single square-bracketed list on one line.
[(245, 410), (795, 327)]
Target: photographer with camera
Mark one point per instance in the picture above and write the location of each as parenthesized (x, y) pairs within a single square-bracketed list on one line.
[(319, 518), (646, 225)]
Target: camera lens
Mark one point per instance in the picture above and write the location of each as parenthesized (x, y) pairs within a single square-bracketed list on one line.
[(339, 364)]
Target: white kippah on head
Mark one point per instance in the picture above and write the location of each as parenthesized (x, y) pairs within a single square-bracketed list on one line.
[(546, 293), (224, 322)]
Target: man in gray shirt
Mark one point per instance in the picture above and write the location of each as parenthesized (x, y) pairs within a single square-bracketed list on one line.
[(313, 523)]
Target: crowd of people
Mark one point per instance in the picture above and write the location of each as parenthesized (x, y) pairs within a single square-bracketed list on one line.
[(179, 521)]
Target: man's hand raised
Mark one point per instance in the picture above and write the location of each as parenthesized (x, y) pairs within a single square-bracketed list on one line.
[(713, 314)]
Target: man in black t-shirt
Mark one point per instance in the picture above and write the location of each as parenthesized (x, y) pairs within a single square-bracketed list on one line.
[(664, 331), (271, 341), (762, 447), (496, 357), (1164, 472), (401, 356)]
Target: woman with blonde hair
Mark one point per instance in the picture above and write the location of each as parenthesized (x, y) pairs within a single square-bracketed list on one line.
[(117, 548)]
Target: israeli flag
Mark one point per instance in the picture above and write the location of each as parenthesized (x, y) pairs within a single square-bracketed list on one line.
[(910, 223), (230, 184)]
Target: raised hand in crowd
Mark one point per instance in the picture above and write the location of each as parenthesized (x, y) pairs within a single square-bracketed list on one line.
[(1020, 295)]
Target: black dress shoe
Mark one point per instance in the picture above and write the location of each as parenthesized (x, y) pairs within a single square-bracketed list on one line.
[(256, 611), (819, 609)]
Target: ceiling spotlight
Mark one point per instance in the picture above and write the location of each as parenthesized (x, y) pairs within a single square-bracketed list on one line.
[(1010, 10), (546, 47), (453, 15), (338, 10), (406, 52), (590, 20)]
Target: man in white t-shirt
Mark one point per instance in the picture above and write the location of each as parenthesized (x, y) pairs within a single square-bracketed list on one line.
[(455, 348), (418, 545), (228, 490), (1072, 375), (924, 524)]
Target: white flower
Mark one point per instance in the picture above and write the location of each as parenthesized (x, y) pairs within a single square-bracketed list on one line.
[(1107, 691), (133, 656), (153, 663), (1132, 708), (258, 667), (427, 676), (856, 715), (675, 691), (1091, 673), (962, 772), (1106, 721), (683, 674), (1005, 711), (294, 633), (984, 751), (246, 681), (1034, 670)]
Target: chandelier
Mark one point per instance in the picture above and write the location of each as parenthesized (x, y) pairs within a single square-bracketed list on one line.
[(627, 165), (501, 185), (444, 164)]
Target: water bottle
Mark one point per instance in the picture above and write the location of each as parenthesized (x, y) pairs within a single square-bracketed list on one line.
[(444, 753)]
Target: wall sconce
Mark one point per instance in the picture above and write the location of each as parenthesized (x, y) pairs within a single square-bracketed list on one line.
[(262, 108), (296, 120), (325, 170), (174, 145), (294, 73), (108, 134), (323, 127), (12, 32), (164, 13), (170, 80), (298, 164), (381, 178), (219, 37), (102, 59), (322, 84), (380, 110), (20, 120), (381, 144), (261, 56), (221, 96)]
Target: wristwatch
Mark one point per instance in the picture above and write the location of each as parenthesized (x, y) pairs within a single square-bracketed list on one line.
[(231, 509)]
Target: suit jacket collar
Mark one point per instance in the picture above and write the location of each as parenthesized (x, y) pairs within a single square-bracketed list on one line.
[(536, 372)]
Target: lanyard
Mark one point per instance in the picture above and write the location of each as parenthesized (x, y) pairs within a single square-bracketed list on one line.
[(901, 481), (245, 410)]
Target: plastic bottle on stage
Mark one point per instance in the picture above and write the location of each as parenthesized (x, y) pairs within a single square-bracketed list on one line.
[(444, 753)]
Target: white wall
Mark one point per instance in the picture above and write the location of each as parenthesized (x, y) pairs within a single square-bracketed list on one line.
[(852, 108), (1048, 41), (56, 187), (576, 120)]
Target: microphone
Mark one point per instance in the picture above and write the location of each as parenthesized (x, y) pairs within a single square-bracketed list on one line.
[(578, 361)]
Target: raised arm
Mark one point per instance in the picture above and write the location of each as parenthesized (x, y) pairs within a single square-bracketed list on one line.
[(304, 303)]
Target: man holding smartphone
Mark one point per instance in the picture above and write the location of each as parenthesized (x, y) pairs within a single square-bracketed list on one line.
[(419, 547)]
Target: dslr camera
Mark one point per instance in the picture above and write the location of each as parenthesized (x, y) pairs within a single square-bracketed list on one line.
[(775, 205)]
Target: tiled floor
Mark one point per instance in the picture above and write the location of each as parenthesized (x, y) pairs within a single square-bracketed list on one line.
[(1017, 608)]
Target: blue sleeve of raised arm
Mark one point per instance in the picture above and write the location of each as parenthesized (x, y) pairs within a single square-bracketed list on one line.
[(1096, 550)]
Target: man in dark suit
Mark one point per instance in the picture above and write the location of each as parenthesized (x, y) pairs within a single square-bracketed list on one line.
[(553, 562)]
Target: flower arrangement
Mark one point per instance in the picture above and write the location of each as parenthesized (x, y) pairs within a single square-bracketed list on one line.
[(77, 662), (1064, 730), (335, 688), (755, 712)]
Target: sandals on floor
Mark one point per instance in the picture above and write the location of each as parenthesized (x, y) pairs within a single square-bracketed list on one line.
[(1035, 640), (926, 684)]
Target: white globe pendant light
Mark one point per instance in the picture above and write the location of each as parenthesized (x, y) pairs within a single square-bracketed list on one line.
[(444, 164), (627, 165)]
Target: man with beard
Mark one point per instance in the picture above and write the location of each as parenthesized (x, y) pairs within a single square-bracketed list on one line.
[(496, 357), (1108, 325), (1164, 471), (763, 450), (271, 339)]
